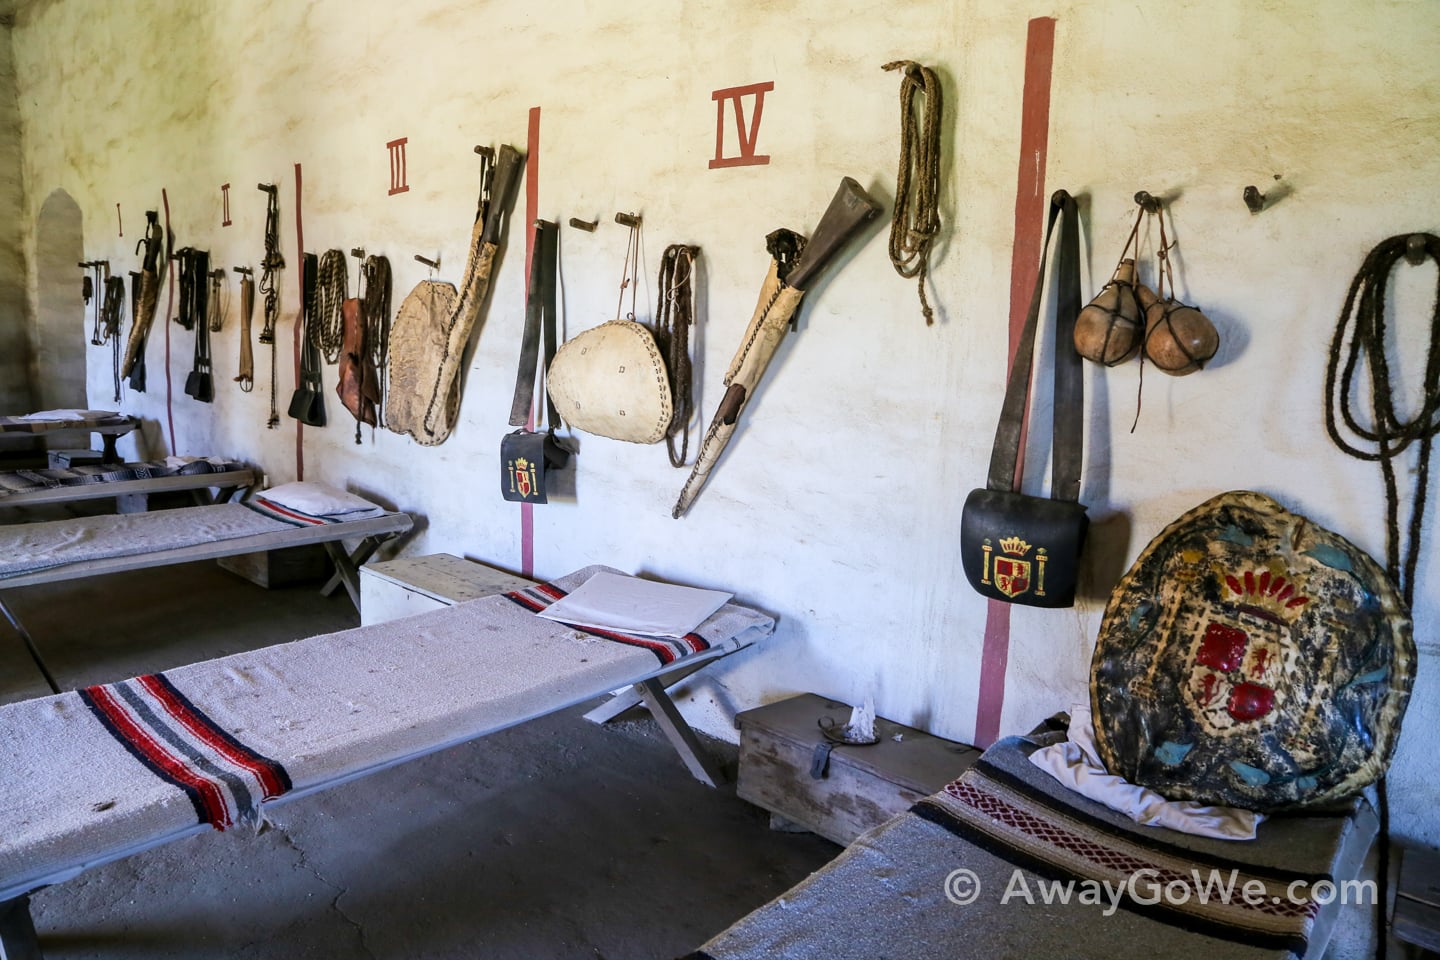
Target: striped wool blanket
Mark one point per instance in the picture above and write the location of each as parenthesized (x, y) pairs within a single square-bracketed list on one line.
[(24, 481), (208, 743), (1006, 862)]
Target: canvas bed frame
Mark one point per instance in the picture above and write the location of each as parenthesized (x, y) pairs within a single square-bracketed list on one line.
[(133, 496), (649, 684), (369, 534)]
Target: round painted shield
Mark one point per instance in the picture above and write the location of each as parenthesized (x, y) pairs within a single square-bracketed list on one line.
[(1253, 659)]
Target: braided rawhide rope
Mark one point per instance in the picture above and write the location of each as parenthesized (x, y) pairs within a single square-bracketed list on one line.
[(331, 288), (916, 218), (1363, 320), (672, 333)]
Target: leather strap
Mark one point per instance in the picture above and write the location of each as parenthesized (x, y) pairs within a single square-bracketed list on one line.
[(539, 314), (199, 307), (1069, 384), (310, 355)]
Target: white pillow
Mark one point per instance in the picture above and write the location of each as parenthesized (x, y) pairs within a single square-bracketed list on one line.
[(317, 499)]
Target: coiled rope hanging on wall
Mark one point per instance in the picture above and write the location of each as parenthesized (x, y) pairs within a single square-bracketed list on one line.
[(1362, 322), (331, 290), (916, 217)]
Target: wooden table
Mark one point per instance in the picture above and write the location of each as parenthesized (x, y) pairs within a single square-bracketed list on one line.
[(109, 428)]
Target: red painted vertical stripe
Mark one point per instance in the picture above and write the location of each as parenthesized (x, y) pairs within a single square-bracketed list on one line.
[(165, 322), (295, 340), (532, 213), (1024, 262)]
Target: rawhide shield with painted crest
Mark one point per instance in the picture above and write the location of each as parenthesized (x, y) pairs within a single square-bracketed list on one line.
[(1251, 658)]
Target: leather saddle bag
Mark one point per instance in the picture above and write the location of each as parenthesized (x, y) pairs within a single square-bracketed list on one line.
[(1018, 548), (357, 382)]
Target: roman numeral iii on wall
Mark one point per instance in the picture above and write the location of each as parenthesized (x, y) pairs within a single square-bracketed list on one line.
[(745, 133), (397, 165)]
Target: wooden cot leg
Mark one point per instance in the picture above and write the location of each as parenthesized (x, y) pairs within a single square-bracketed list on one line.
[(17, 931), (629, 698), (347, 566), (701, 765), (132, 503), (34, 654)]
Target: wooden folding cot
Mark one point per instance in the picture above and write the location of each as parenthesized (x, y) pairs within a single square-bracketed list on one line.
[(218, 743)]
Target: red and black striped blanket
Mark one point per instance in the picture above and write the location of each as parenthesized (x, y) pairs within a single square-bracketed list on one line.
[(158, 725)]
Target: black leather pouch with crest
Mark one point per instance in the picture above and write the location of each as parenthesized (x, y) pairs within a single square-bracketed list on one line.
[(527, 455), (525, 458), (1014, 547), (1022, 549)]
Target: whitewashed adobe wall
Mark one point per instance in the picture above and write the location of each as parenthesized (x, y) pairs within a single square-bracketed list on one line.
[(14, 346), (838, 505)]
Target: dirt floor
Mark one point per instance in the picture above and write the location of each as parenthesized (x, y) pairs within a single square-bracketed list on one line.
[(554, 839)]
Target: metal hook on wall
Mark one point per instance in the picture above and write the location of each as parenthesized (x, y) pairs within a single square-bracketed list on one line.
[(1254, 199), (1415, 249)]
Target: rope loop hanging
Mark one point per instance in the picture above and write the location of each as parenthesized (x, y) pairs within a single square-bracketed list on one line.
[(1360, 338), (331, 290), (915, 220)]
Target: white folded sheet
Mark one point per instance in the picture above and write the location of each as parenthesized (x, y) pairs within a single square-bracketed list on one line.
[(1076, 764)]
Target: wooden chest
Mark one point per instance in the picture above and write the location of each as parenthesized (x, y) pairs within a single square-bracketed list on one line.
[(393, 589), (280, 568), (1417, 899), (864, 785)]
